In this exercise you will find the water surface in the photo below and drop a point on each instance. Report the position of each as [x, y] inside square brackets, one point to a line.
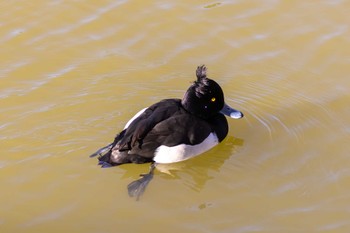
[73, 73]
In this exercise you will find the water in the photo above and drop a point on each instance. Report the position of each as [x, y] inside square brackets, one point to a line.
[73, 73]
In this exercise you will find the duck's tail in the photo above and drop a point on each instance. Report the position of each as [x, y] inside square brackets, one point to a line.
[104, 154]
[103, 151]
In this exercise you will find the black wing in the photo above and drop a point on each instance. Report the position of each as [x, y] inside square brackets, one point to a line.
[142, 125]
[181, 128]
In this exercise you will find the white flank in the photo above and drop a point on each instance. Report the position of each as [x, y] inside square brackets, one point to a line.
[166, 154]
[134, 117]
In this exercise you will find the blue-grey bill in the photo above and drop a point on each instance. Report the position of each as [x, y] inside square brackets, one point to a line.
[231, 112]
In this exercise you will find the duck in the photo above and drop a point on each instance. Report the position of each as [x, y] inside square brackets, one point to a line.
[171, 130]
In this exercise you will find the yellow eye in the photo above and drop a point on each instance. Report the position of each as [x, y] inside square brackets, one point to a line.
[213, 99]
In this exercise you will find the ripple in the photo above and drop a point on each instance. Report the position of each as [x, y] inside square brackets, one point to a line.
[13, 66]
[265, 55]
[263, 121]
[213, 5]
[39, 83]
[333, 226]
[88, 19]
[50, 216]
[249, 13]
[12, 34]
[286, 188]
[3, 126]
[303, 209]
[339, 30]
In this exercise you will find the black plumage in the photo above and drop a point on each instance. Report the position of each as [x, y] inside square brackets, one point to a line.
[171, 122]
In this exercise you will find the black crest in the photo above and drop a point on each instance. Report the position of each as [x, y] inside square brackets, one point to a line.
[201, 72]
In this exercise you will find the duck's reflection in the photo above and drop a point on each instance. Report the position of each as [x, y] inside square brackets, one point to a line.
[198, 171]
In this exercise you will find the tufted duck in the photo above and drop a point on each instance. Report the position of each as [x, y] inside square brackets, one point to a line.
[171, 130]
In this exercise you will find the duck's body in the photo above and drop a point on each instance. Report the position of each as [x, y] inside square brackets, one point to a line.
[173, 130]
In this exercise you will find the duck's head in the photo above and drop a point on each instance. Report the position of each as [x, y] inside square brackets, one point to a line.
[205, 98]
